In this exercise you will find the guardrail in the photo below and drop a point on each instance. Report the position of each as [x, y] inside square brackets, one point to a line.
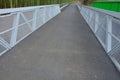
[64, 5]
[18, 23]
[106, 26]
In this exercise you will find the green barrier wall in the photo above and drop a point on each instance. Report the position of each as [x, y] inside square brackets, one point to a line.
[106, 0]
[109, 5]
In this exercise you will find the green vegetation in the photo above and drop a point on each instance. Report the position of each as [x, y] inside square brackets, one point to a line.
[23, 3]
[112, 5]
[107, 0]
[87, 2]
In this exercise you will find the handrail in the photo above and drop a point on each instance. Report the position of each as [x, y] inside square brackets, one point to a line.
[106, 27]
[62, 7]
[17, 23]
[11, 10]
[110, 13]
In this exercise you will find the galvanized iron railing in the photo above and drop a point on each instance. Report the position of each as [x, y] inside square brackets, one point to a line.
[18, 23]
[106, 26]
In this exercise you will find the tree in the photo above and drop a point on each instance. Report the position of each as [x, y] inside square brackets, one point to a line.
[87, 2]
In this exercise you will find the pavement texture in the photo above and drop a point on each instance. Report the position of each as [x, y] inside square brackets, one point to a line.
[63, 49]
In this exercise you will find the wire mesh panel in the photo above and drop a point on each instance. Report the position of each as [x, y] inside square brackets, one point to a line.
[23, 30]
[116, 28]
[6, 22]
[40, 18]
[2, 49]
[28, 14]
[115, 52]
[6, 25]
[107, 29]
[6, 36]
[101, 33]
[18, 23]
[115, 43]
[115, 55]
[52, 11]
[92, 21]
[24, 24]
[23, 18]
[47, 13]
[102, 21]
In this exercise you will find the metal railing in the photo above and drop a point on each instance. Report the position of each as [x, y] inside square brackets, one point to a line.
[106, 26]
[18, 23]
[63, 6]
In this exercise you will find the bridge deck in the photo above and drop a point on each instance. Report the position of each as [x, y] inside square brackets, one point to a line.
[63, 49]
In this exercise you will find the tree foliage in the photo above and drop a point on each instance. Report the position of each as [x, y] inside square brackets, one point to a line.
[87, 2]
[23, 3]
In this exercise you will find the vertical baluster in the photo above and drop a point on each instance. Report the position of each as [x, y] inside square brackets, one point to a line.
[96, 22]
[109, 30]
[34, 20]
[44, 14]
[15, 29]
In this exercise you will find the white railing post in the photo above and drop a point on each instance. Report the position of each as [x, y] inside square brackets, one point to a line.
[96, 22]
[34, 20]
[44, 15]
[50, 12]
[109, 31]
[112, 23]
[15, 29]
[19, 25]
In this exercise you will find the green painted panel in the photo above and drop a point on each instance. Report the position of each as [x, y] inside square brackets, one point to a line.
[107, 0]
[113, 6]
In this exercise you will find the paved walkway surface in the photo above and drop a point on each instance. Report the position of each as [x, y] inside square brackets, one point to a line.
[63, 49]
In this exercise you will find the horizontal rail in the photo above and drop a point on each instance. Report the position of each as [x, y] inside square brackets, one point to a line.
[13, 10]
[62, 7]
[106, 27]
[21, 22]
[107, 12]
